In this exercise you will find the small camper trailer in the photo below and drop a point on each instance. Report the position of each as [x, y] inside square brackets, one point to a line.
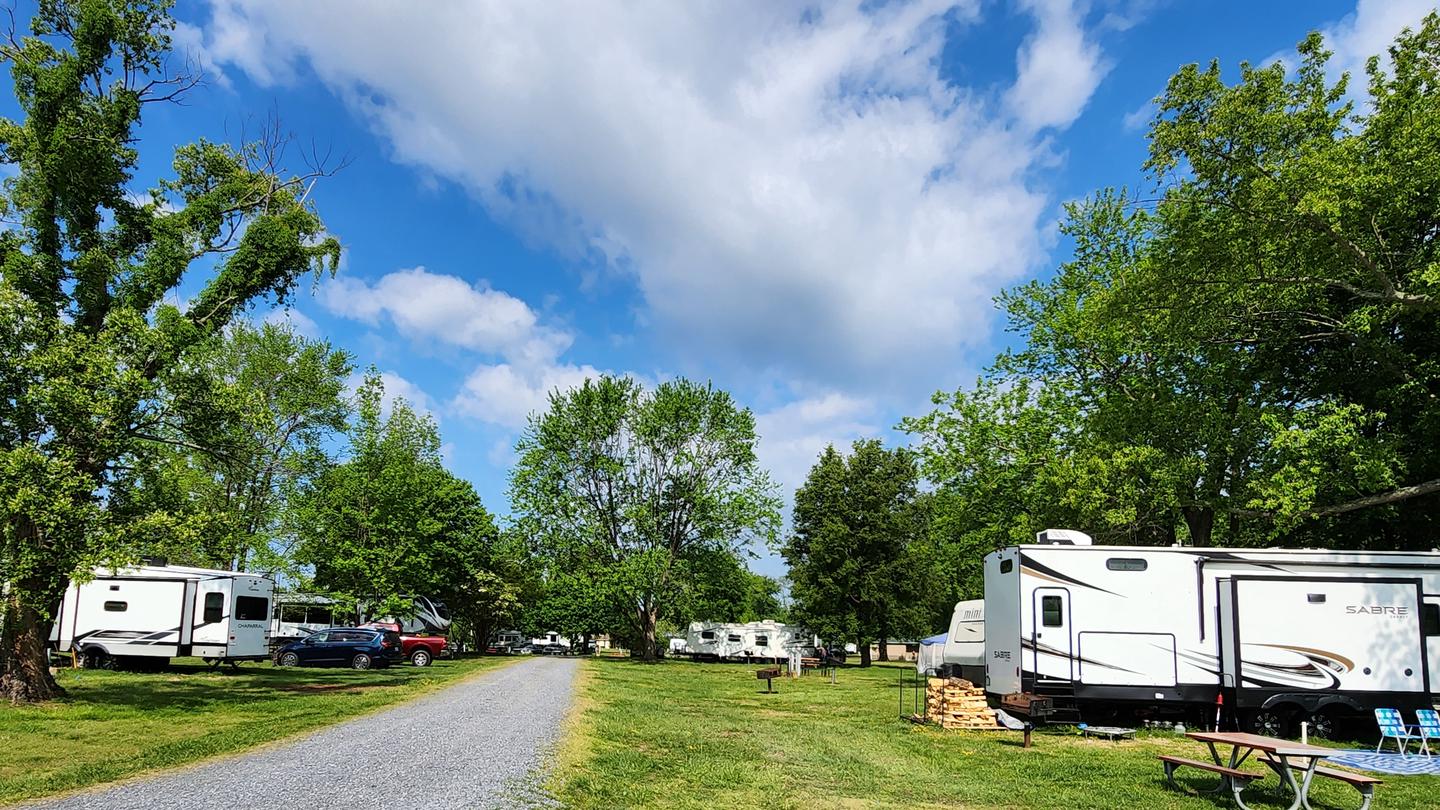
[764, 640]
[150, 613]
[1280, 635]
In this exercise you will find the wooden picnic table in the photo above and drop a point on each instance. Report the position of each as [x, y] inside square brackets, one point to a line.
[1278, 756]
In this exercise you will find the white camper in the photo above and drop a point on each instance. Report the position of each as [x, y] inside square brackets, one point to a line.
[150, 613]
[297, 615]
[1279, 635]
[766, 640]
[965, 641]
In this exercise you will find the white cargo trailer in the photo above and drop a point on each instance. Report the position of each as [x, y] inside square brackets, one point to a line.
[1278, 635]
[147, 614]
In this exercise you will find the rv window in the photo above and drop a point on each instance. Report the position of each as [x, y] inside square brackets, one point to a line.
[1315, 598]
[115, 607]
[1430, 619]
[1051, 612]
[214, 607]
[292, 614]
[1006, 566]
[762, 641]
[707, 635]
[251, 608]
[319, 615]
[1126, 564]
[733, 639]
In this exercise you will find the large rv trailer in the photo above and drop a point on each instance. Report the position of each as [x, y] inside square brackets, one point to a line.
[1278, 634]
[297, 615]
[150, 613]
[768, 640]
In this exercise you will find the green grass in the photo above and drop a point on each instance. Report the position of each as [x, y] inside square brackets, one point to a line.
[706, 736]
[115, 724]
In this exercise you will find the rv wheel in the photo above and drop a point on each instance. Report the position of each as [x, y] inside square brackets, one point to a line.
[1322, 725]
[361, 661]
[421, 658]
[1271, 723]
[97, 659]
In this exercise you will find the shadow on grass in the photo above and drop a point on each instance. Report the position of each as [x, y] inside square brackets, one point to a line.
[196, 688]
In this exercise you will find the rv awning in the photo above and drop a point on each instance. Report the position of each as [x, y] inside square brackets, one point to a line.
[940, 639]
[932, 654]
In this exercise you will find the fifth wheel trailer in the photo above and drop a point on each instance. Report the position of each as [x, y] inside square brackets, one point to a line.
[768, 640]
[150, 613]
[1278, 635]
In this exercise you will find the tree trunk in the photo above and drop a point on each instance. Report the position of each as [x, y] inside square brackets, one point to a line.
[646, 616]
[26, 678]
[481, 637]
[884, 639]
[1201, 520]
[863, 647]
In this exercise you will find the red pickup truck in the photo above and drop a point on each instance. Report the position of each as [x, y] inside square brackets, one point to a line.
[419, 648]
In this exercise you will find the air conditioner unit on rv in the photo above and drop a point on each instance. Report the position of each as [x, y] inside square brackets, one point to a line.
[1062, 537]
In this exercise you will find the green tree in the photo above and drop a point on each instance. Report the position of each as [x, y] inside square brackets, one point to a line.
[85, 273]
[262, 403]
[391, 521]
[633, 483]
[858, 524]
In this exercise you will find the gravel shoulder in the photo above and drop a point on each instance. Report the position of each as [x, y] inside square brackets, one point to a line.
[478, 744]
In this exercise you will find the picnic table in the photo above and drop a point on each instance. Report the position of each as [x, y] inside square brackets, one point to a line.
[1284, 757]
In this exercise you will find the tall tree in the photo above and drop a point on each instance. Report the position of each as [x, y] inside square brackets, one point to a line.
[857, 526]
[633, 483]
[84, 275]
[391, 521]
[263, 402]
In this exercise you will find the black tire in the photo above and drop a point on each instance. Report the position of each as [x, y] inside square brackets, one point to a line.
[287, 659]
[96, 658]
[1273, 722]
[421, 658]
[361, 661]
[1322, 724]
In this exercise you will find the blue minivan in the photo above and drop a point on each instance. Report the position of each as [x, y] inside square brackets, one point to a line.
[354, 647]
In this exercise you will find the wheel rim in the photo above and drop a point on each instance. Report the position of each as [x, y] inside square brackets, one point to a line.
[289, 660]
[1269, 724]
[1322, 726]
[362, 662]
[422, 659]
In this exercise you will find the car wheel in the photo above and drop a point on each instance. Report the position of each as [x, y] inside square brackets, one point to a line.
[360, 661]
[420, 658]
[289, 659]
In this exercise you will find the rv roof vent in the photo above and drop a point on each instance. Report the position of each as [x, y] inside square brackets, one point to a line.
[1062, 537]
[157, 561]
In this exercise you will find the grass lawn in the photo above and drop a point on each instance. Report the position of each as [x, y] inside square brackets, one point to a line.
[705, 735]
[117, 724]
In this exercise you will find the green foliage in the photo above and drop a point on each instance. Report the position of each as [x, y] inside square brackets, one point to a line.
[623, 488]
[1249, 358]
[857, 570]
[391, 520]
[90, 337]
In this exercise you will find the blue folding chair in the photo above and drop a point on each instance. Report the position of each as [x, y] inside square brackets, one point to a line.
[1429, 728]
[1392, 727]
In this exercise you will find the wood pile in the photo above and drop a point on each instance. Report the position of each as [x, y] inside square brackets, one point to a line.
[956, 703]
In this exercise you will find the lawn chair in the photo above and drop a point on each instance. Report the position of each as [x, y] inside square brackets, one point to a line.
[1429, 728]
[1392, 726]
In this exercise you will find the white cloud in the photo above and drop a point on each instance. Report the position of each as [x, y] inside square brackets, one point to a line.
[1059, 67]
[447, 309]
[506, 394]
[793, 435]
[790, 188]
[298, 322]
[1139, 118]
[397, 387]
[1367, 31]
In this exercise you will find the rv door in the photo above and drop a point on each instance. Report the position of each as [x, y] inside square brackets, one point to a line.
[1430, 626]
[1052, 642]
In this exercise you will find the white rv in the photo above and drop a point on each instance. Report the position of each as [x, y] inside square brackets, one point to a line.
[145, 615]
[965, 641]
[297, 615]
[768, 640]
[1279, 635]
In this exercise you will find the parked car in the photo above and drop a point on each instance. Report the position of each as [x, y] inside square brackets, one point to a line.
[355, 647]
[552, 649]
[421, 649]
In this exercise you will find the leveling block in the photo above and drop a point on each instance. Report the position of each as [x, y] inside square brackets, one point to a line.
[956, 703]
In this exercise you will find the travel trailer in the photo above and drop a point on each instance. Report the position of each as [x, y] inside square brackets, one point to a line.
[1277, 635]
[297, 615]
[767, 640]
[965, 641]
[144, 616]
[429, 616]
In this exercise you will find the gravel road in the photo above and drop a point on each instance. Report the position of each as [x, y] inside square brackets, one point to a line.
[476, 744]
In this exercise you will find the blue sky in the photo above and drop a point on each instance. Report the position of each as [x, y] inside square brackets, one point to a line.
[811, 206]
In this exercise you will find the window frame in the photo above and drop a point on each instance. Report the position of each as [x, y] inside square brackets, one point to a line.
[213, 608]
[1046, 601]
[1127, 564]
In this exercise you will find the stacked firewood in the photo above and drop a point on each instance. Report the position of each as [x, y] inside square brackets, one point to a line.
[956, 703]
